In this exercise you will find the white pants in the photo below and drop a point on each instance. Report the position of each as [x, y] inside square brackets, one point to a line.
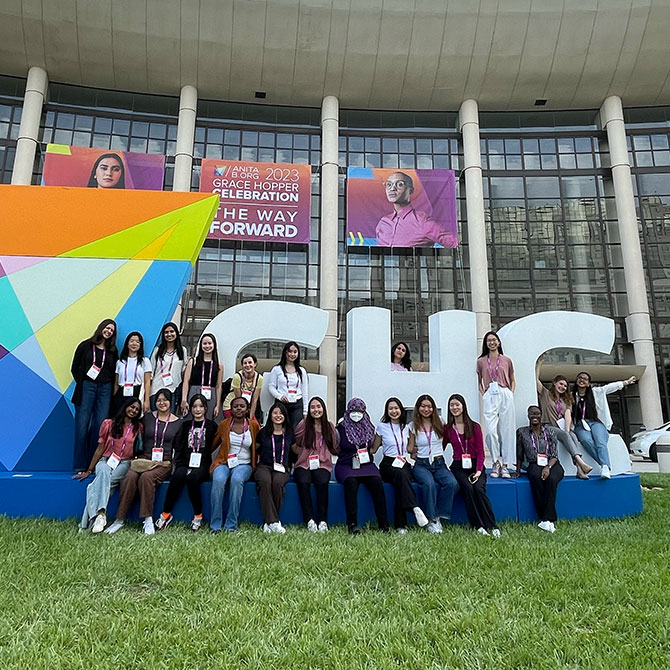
[500, 425]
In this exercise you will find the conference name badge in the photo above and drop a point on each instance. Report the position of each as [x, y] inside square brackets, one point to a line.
[167, 378]
[207, 392]
[279, 467]
[363, 456]
[494, 388]
[157, 454]
[113, 461]
[93, 372]
[233, 461]
[585, 425]
[398, 462]
[542, 460]
[128, 389]
[194, 460]
[314, 462]
[247, 396]
[466, 461]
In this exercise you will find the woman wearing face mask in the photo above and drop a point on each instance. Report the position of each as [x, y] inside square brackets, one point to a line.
[316, 442]
[236, 459]
[191, 459]
[203, 376]
[355, 465]
[392, 435]
[556, 406]
[425, 445]
[110, 462]
[247, 383]
[273, 446]
[592, 418]
[288, 383]
[152, 468]
[467, 441]
[133, 373]
[497, 384]
[93, 372]
[168, 362]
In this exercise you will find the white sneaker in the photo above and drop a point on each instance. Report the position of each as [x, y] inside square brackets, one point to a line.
[401, 531]
[196, 522]
[323, 527]
[421, 518]
[438, 523]
[277, 528]
[266, 528]
[605, 472]
[546, 525]
[148, 526]
[99, 523]
[482, 531]
[496, 533]
[312, 527]
[433, 528]
[116, 525]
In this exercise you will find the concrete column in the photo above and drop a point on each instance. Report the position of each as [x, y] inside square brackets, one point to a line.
[330, 111]
[183, 160]
[36, 90]
[468, 122]
[638, 323]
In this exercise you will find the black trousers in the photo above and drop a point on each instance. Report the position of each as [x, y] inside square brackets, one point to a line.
[376, 488]
[295, 414]
[270, 486]
[544, 492]
[477, 503]
[192, 478]
[304, 478]
[401, 480]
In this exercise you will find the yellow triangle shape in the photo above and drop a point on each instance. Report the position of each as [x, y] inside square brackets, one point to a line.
[60, 336]
[152, 250]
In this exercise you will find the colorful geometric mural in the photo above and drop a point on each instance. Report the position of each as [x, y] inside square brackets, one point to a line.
[70, 257]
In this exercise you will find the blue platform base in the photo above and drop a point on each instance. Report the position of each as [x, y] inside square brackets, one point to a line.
[56, 495]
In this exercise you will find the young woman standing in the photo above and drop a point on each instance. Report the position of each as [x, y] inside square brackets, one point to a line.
[204, 375]
[235, 460]
[288, 383]
[192, 457]
[273, 446]
[110, 462]
[93, 372]
[425, 445]
[392, 435]
[168, 361]
[315, 444]
[133, 373]
[153, 467]
[247, 383]
[467, 441]
[497, 384]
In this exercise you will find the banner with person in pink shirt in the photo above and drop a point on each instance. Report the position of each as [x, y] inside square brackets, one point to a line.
[401, 208]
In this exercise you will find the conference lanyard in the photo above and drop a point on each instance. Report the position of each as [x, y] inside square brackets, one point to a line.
[494, 376]
[196, 445]
[156, 433]
[400, 448]
[104, 354]
[283, 448]
[171, 361]
[429, 437]
[202, 376]
[559, 408]
[536, 445]
[125, 373]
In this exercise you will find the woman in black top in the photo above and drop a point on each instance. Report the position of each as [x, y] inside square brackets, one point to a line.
[93, 372]
[191, 458]
[273, 446]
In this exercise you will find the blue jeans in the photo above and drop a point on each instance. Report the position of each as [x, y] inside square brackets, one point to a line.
[239, 476]
[594, 441]
[88, 415]
[438, 486]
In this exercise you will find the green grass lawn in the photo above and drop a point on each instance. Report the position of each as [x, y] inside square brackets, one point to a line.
[594, 595]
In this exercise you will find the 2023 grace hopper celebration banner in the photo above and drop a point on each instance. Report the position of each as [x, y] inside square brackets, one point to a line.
[102, 168]
[261, 202]
[401, 208]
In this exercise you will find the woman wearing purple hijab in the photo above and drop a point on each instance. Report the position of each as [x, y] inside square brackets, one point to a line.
[355, 465]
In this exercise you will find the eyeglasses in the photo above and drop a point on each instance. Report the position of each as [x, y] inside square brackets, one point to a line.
[395, 184]
[581, 378]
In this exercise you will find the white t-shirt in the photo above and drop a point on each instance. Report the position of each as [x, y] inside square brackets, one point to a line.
[394, 439]
[132, 371]
[242, 449]
[426, 450]
[171, 364]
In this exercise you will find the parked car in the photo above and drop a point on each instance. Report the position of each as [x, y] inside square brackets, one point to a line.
[644, 442]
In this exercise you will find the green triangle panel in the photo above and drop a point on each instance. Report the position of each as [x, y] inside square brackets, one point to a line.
[45, 290]
[14, 326]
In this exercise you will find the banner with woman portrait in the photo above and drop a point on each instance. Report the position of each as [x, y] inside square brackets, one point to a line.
[401, 208]
[102, 168]
[260, 202]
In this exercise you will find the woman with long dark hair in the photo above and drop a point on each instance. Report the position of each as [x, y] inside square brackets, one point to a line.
[315, 444]
[593, 419]
[92, 368]
[133, 373]
[288, 383]
[437, 483]
[274, 443]
[496, 384]
[467, 441]
[355, 465]
[168, 361]
[192, 456]
[108, 172]
[400, 358]
[392, 435]
[204, 375]
[110, 462]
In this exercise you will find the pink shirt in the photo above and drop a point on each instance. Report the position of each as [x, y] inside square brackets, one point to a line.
[474, 446]
[409, 227]
[505, 372]
[122, 446]
[320, 448]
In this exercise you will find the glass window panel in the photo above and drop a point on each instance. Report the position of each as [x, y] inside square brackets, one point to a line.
[103, 125]
[642, 142]
[63, 137]
[138, 144]
[372, 144]
[549, 162]
[644, 158]
[231, 152]
[140, 128]
[566, 145]
[584, 161]
[215, 135]
[514, 162]
[567, 161]
[547, 145]
[531, 146]
[406, 145]
[423, 146]
[265, 155]
[81, 139]
[443, 163]
[232, 136]
[249, 138]
[496, 162]
[662, 157]
[101, 141]
[284, 140]
[512, 146]
[659, 142]
[266, 139]
[407, 161]
[532, 162]
[65, 121]
[356, 144]
[506, 187]
[86, 122]
[302, 158]
[390, 160]
[542, 187]
[424, 162]
[249, 154]
[654, 184]
[578, 187]
[121, 127]
[118, 143]
[440, 146]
